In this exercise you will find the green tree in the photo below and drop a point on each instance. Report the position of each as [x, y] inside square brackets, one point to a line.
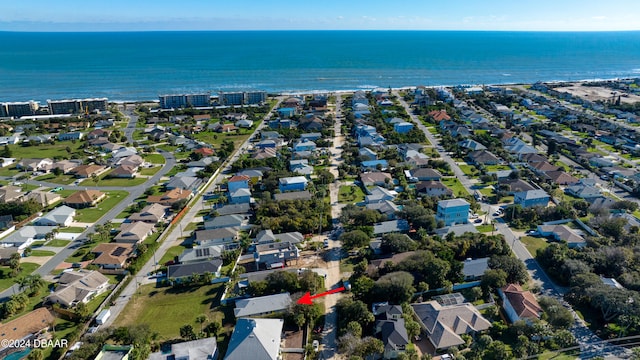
[82, 311]
[396, 287]
[493, 279]
[201, 319]
[186, 332]
[354, 239]
[14, 264]
[354, 328]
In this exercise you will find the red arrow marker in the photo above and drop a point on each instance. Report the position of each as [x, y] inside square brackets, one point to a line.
[306, 298]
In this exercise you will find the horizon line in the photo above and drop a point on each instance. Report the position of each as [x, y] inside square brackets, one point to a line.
[316, 30]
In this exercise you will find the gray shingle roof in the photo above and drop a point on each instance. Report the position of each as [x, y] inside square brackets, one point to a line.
[262, 305]
[255, 339]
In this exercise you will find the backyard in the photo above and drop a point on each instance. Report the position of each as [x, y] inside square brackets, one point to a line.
[456, 186]
[6, 280]
[534, 243]
[350, 194]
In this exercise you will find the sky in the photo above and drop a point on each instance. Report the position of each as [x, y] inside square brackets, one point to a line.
[147, 15]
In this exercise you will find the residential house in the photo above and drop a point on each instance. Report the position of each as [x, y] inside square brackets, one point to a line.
[220, 236]
[134, 160]
[76, 135]
[84, 198]
[456, 230]
[230, 209]
[531, 198]
[24, 237]
[78, 286]
[453, 211]
[112, 256]
[6, 252]
[583, 191]
[183, 182]
[238, 182]
[184, 272]
[443, 324]
[312, 123]
[519, 304]
[269, 305]
[367, 154]
[376, 178]
[379, 194]
[386, 208]
[272, 254]
[205, 349]
[33, 325]
[311, 136]
[226, 221]
[433, 188]
[201, 253]
[286, 112]
[296, 183]
[66, 165]
[562, 233]
[267, 153]
[304, 145]
[41, 165]
[425, 174]
[60, 216]
[124, 171]
[152, 214]
[542, 167]
[374, 165]
[98, 133]
[391, 226]
[483, 157]
[439, 115]
[257, 339]
[390, 327]
[301, 167]
[134, 233]
[473, 269]
[602, 162]
[10, 193]
[267, 236]
[245, 124]
[516, 185]
[561, 177]
[471, 145]
[87, 171]
[170, 197]
[403, 127]
[240, 196]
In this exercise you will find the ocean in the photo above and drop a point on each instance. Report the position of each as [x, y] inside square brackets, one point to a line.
[142, 65]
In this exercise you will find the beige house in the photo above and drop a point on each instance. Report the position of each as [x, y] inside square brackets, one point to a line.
[10, 193]
[78, 286]
[84, 198]
[43, 198]
[134, 232]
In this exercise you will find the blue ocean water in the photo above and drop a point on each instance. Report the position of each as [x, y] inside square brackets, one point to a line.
[141, 65]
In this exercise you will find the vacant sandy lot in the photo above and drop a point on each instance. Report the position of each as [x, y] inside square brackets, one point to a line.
[595, 93]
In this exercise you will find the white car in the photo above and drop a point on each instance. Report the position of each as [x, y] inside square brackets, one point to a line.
[316, 345]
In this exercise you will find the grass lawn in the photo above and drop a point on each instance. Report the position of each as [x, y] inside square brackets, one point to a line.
[6, 280]
[171, 253]
[153, 158]
[534, 243]
[552, 355]
[150, 171]
[484, 228]
[487, 191]
[58, 243]
[123, 182]
[92, 214]
[9, 171]
[165, 310]
[468, 170]
[455, 185]
[492, 168]
[59, 149]
[38, 243]
[190, 227]
[42, 253]
[51, 177]
[350, 194]
[72, 229]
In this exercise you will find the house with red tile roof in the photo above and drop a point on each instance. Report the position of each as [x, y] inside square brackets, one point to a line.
[519, 304]
[439, 115]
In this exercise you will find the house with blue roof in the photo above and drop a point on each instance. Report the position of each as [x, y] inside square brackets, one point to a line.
[531, 198]
[304, 145]
[403, 127]
[286, 112]
[295, 183]
[453, 211]
[311, 136]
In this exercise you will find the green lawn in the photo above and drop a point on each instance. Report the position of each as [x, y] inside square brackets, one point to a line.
[165, 310]
[59, 149]
[492, 168]
[191, 226]
[9, 171]
[150, 171]
[350, 194]
[153, 158]
[72, 229]
[534, 243]
[51, 177]
[485, 228]
[468, 170]
[6, 280]
[92, 214]
[122, 182]
[455, 186]
[42, 253]
[58, 243]
[171, 253]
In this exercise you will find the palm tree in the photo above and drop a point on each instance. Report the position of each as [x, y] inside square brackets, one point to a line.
[36, 283]
[201, 319]
[14, 264]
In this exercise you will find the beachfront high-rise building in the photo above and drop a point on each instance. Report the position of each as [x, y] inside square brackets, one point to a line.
[17, 109]
[77, 106]
[231, 98]
[255, 97]
[175, 101]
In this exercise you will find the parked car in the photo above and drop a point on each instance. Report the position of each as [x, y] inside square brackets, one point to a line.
[477, 221]
[316, 345]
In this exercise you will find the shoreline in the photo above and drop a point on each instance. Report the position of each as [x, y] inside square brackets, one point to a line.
[409, 87]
